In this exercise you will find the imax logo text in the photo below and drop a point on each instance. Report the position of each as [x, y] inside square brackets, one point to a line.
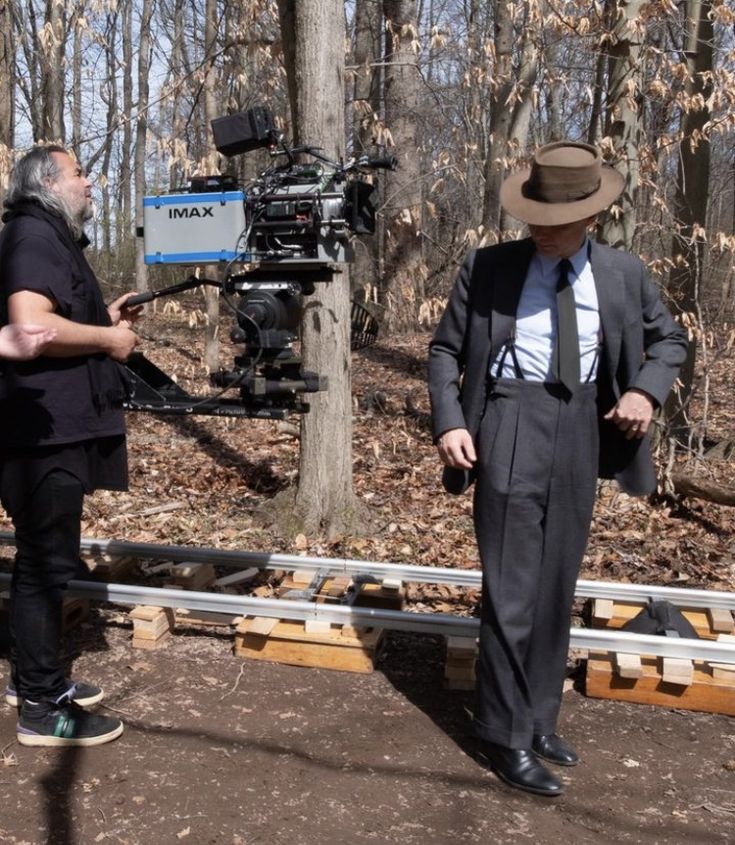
[186, 213]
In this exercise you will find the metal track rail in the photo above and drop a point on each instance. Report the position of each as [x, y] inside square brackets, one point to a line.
[400, 620]
[428, 623]
[405, 572]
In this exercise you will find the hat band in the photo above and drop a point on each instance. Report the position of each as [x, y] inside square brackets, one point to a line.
[534, 189]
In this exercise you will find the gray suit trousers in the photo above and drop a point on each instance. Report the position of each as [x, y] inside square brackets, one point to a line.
[537, 476]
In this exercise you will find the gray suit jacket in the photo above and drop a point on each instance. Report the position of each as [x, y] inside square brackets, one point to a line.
[642, 347]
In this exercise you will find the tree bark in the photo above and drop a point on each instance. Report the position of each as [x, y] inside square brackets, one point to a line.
[7, 92]
[209, 165]
[53, 40]
[125, 215]
[624, 109]
[313, 43]
[76, 75]
[141, 136]
[692, 191]
[402, 285]
[109, 95]
[501, 118]
[365, 111]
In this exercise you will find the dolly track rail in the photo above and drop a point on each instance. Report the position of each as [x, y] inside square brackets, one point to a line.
[428, 623]
[406, 572]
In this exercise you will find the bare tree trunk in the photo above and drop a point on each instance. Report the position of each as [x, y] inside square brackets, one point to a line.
[53, 40]
[7, 92]
[313, 40]
[593, 131]
[178, 133]
[141, 134]
[521, 113]
[125, 206]
[27, 28]
[553, 83]
[210, 166]
[692, 186]
[109, 96]
[476, 111]
[366, 107]
[624, 109]
[404, 273]
[500, 118]
[76, 76]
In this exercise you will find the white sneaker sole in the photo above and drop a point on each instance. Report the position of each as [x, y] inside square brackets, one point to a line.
[67, 742]
[15, 701]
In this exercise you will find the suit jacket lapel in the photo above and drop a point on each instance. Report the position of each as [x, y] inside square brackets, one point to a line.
[506, 292]
[610, 286]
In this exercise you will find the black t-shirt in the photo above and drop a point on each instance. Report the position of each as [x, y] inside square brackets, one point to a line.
[52, 401]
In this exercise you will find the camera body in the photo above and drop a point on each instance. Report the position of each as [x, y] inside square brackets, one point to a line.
[274, 240]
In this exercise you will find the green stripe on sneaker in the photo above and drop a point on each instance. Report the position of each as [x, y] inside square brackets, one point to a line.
[64, 727]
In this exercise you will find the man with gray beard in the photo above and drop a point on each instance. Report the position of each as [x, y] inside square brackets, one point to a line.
[62, 432]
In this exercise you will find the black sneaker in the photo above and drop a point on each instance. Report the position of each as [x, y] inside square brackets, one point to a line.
[85, 695]
[64, 724]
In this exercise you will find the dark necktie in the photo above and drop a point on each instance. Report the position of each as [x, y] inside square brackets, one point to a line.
[567, 340]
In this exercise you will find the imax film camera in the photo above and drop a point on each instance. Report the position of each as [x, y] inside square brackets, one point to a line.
[273, 240]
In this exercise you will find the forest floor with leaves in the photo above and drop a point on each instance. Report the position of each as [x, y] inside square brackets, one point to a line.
[221, 750]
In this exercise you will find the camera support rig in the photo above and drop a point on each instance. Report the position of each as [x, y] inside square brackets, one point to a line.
[288, 231]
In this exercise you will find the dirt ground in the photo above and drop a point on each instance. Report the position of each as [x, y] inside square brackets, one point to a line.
[222, 751]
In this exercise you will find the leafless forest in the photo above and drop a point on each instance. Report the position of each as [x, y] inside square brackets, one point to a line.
[460, 91]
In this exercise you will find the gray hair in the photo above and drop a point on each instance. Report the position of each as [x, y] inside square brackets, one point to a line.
[30, 181]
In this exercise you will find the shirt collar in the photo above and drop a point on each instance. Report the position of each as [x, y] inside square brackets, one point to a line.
[550, 264]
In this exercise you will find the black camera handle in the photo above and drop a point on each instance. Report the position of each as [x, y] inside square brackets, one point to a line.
[188, 284]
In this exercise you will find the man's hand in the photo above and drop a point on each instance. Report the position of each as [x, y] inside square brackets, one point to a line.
[119, 312]
[120, 340]
[25, 341]
[633, 413]
[456, 449]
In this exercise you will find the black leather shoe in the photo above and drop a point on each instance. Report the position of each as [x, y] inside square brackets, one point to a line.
[521, 769]
[553, 748]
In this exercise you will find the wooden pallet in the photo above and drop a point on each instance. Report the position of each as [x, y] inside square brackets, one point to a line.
[318, 643]
[666, 682]
[705, 687]
[341, 647]
[707, 622]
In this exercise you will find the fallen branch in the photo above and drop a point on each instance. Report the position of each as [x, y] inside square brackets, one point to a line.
[700, 488]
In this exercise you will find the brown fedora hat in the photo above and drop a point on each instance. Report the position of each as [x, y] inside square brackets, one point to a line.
[567, 181]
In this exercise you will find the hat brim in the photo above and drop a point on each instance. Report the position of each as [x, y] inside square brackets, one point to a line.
[559, 213]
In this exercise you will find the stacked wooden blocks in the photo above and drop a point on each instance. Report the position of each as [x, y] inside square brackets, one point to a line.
[152, 626]
[460, 666]
[664, 681]
[192, 576]
[108, 568]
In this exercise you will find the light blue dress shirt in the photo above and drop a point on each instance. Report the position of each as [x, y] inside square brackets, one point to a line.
[536, 319]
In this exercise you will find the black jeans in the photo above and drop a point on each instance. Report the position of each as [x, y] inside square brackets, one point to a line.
[47, 534]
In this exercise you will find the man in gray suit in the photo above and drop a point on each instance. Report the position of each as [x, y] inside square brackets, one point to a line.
[544, 373]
